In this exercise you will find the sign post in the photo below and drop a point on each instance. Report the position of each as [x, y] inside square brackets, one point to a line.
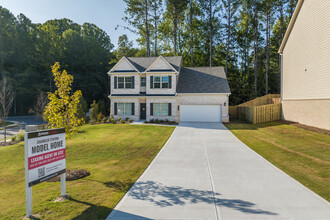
[44, 159]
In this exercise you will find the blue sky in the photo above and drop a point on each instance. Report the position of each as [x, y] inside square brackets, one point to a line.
[106, 14]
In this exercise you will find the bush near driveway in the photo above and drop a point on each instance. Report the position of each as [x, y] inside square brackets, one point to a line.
[115, 156]
[303, 154]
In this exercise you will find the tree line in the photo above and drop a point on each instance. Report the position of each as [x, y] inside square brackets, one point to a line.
[28, 50]
[243, 36]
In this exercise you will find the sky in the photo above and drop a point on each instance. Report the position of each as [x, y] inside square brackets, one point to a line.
[106, 14]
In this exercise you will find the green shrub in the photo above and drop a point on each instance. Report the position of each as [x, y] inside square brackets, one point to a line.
[123, 122]
[19, 136]
[157, 121]
[152, 121]
[146, 122]
[119, 119]
[93, 115]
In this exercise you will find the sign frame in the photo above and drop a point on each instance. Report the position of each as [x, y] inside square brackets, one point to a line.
[28, 183]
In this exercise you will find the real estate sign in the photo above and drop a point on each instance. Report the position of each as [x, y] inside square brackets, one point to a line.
[45, 155]
[44, 159]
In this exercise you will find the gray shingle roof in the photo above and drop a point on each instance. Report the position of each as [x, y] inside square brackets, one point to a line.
[142, 63]
[202, 80]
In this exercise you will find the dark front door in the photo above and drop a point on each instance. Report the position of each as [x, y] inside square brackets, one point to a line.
[143, 111]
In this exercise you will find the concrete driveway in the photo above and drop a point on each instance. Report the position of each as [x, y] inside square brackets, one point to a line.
[205, 172]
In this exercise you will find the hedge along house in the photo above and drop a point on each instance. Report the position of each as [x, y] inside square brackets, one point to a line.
[305, 65]
[146, 88]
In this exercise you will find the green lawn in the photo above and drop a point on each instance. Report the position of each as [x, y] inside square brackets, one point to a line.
[115, 155]
[303, 154]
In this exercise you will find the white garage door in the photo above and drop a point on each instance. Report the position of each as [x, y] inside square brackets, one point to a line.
[200, 113]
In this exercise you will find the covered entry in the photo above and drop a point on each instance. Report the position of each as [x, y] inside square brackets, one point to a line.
[200, 113]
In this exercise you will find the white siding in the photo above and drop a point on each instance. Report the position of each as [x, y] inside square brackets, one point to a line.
[306, 56]
[124, 65]
[160, 64]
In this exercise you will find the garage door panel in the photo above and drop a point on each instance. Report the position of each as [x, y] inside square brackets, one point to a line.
[200, 113]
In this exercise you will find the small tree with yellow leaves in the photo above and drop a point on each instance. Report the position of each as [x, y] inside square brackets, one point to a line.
[62, 109]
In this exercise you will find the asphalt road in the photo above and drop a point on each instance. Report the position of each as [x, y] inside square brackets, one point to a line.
[26, 120]
[205, 172]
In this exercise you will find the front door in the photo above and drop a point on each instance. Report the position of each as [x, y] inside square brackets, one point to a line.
[143, 111]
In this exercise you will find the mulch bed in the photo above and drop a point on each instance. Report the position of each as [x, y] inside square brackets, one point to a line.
[71, 175]
[3, 144]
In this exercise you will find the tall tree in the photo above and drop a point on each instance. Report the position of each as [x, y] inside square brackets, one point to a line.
[230, 7]
[125, 48]
[268, 6]
[174, 11]
[156, 11]
[139, 17]
[256, 8]
[210, 9]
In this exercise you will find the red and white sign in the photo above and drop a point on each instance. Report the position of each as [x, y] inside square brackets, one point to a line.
[45, 155]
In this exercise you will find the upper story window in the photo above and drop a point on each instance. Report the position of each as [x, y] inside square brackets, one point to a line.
[143, 81]
[160, 82]
[125, 82]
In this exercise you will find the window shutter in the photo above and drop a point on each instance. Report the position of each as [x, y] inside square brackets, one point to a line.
[151, 108]
[151, 82]
[115, 112]
[170, 82]
[169, 109]
[133, 84]
[115, 82]
[133, 109]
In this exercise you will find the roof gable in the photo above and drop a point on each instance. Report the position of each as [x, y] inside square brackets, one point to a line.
[160, 64]
[123, 65]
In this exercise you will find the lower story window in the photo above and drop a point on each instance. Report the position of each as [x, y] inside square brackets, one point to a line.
[124, 108]
[160, 109]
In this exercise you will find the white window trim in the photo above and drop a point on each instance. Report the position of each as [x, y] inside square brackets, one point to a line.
[124, 108]
[160, 108]
[124, 82]
[161, 82]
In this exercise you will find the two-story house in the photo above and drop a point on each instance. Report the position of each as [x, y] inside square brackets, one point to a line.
[145, 88]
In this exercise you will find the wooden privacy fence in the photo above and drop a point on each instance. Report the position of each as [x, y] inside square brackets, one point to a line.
[258, 110]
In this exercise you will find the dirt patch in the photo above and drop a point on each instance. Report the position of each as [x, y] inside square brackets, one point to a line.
[3, 144]
[71, 175]
[306, 127]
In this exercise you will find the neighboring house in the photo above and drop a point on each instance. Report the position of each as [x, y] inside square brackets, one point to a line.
[145, 88]
[305, 59]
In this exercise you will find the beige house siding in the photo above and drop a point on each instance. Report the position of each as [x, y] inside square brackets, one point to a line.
[206, 99]
[309, 112]
[306, 66]
[306, 55]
